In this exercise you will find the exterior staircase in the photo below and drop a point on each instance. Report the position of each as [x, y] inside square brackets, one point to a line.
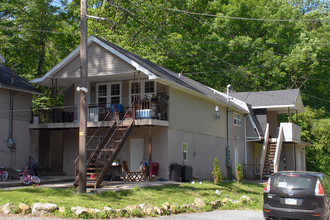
[103, 156]
[268, 169]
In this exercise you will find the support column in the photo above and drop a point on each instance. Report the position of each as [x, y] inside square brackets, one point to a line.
[150, 154]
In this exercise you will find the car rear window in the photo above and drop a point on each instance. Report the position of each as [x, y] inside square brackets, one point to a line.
[293, 182]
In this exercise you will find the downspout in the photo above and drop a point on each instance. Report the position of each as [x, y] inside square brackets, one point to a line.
[228, 101]
[245, 145]
[10, 140]
[228, 157]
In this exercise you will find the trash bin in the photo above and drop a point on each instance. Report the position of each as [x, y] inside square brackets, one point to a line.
[186, 173]
[175, 172]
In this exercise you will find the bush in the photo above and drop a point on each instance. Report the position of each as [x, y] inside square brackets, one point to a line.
[239, 173]
[216, 173]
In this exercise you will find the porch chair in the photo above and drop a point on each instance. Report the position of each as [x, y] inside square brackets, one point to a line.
[133, 176]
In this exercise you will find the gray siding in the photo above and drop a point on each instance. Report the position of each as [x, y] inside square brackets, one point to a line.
[193, 114]
[100, 62]
[22, 105]
[202, 150]
[272, 120]
[69, 96]
[125, 93]
[4, 103]
[236, 132]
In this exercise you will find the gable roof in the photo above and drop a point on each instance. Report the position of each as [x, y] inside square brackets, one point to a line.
[19, 84]
[278, 100]
[152, 70]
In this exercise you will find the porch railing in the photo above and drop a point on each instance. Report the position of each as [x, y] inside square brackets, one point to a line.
[71, 113]
[251, 171]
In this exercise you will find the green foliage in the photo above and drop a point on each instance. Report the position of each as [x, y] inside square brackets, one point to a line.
[239, 173]
[137, 213]
[216, 172]
[315, 130]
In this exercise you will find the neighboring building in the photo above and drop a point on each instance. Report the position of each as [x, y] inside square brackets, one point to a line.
[284, 149]
[15, 118]
[150, 112]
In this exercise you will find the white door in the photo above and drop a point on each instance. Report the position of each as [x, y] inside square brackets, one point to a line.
[136, 153]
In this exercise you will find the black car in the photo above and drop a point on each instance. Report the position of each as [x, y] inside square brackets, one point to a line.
[297, 195]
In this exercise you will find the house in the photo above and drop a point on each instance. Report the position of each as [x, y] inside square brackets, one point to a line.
[15, 117]
[272, 146]
[137, 111]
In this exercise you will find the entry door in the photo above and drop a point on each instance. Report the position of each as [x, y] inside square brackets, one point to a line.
[136, 153]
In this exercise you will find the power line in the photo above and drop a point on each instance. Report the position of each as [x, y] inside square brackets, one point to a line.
[236, 18]
[36, 30]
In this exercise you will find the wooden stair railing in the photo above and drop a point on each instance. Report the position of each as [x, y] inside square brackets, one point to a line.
[76, 162]
[101, 159]
[268, 168]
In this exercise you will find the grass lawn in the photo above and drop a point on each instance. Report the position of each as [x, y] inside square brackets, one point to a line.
[156, 196]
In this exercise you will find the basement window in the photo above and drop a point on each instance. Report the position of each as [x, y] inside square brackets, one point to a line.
[185, 151]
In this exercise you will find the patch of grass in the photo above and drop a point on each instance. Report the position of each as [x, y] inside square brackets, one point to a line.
[156, 196]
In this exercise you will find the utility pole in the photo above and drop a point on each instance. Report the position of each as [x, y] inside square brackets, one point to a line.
[83, 91]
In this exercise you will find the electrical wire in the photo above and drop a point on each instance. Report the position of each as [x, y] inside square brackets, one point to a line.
[235, 18]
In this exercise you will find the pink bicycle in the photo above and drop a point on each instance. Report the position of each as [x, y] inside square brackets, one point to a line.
[3, 174]
[27, 178]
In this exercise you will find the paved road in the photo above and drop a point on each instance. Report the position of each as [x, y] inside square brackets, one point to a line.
[214, 215]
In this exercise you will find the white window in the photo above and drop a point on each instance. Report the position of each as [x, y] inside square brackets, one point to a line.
[134, 91]
[185, 151]
[236, 119]
[102, 94]
[142, 90]
[108, 93]
[149, 88]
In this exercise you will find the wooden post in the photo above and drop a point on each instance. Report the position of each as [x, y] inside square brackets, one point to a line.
[83, 106]
[150, 154]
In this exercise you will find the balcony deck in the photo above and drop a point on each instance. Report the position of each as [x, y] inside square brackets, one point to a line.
[93, 124]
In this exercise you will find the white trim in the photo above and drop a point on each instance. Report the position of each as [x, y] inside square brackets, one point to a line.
[107, 47]
[123, 57]
[232, 99]
[238, 119]
[274, 106]
[198, 94]
[108, 96]
[186, 152]
[142, 89]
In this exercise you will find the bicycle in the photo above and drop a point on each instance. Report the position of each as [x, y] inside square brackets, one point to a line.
[27, 178]
[3, 174]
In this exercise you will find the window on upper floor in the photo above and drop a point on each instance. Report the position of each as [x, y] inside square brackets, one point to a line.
[108, 93]
[142, 90]
[236, 119]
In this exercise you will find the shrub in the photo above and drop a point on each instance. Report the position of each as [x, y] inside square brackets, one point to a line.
[216, 173]
[239, 173]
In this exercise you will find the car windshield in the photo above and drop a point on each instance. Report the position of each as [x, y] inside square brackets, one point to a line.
[294, 182]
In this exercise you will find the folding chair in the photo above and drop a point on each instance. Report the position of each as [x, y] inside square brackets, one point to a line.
[133, 176]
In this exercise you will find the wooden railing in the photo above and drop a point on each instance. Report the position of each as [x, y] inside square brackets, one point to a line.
[278, 150]
[264, 149]
[76, 162]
